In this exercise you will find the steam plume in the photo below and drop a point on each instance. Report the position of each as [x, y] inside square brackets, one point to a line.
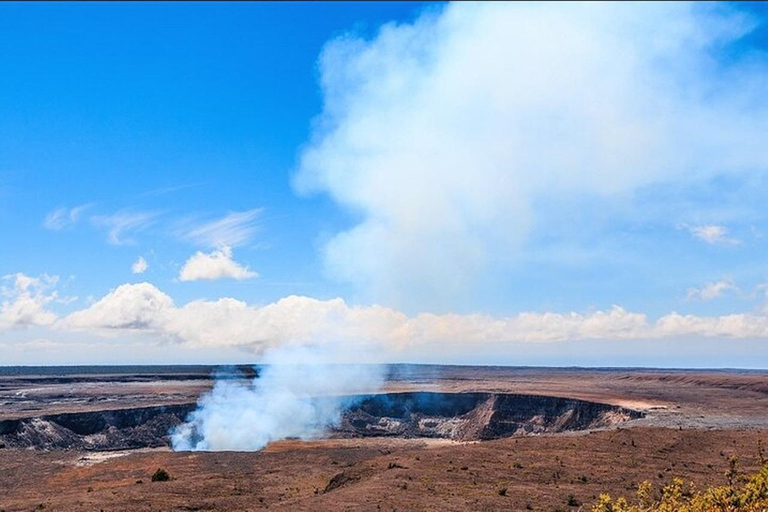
[298, 394]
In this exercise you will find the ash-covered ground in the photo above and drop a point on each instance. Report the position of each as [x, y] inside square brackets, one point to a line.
[435, 438]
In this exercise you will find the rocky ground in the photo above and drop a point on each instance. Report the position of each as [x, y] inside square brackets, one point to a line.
[693, 421]
[534, 473]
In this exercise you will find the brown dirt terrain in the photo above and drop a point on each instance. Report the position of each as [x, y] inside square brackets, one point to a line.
[694, 421]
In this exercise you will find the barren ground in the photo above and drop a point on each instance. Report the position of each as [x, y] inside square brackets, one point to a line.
[694, 421]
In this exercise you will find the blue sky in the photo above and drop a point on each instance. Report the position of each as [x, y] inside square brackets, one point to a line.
[113, 104]
[520, 184]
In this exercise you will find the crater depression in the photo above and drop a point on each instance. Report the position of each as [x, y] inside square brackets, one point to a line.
[457, 416]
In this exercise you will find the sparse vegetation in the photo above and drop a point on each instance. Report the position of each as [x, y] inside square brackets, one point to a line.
[571, 501]
[503, 491]
[161, 475]
[740, 494]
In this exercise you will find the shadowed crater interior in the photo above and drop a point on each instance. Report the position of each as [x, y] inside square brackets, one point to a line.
[473, 416]
[458, 416]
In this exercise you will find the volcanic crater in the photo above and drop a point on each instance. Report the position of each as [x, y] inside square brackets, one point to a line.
[457, 416]
[474, 416]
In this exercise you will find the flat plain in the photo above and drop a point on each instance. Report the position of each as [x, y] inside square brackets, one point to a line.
[688, 424]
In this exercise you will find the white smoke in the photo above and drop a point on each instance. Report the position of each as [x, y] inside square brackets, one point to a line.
[458, 139]
[299, 393]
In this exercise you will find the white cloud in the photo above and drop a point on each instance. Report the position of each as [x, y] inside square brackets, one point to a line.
[142, 308]
[449, 136]
[139, 266]
[712, 290]
[215, 265]
[120, 224]
[25, 300]
[734, 326]
[231, 230]
[128, 307]
[64, 217]
[712, 234]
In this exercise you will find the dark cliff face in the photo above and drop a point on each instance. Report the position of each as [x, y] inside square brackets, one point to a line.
[459, 416]
[119, 429]
[474, 416]
[516, 414]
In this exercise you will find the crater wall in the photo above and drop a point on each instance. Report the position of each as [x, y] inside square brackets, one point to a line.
[458, 416]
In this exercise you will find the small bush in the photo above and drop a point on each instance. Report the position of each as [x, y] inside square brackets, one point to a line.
[503, 491]
[161, 475]
[742, 493]
[571, 501]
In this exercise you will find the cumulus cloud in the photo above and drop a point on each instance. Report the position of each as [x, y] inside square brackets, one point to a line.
[64, 217]
[712, 234]
[295, 320]
[712, 290]
[231, 230]
[136, 307]
[449, 136]
[139, 266]
[120, 224]
[215, 265]
[25, 300]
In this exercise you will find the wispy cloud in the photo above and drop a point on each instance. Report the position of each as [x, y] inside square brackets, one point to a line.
[712, 290]
[712, 234]
[64, 217]
[232, 230]
[170, 189]
[119, 225]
